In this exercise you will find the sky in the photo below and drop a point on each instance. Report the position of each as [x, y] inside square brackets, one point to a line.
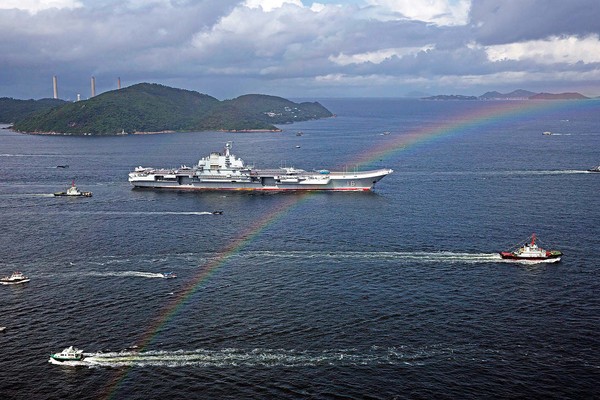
[300, 48]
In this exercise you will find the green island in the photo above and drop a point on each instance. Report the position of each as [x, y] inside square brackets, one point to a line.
[154, 108]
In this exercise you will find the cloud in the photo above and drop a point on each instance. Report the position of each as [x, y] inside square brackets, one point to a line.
[33, 6]
[270, 5]
[438, 12]
[552, 50]
[377, 57]
[498, 22]
[295, 48]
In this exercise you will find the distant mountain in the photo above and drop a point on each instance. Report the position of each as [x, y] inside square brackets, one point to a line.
[147, 107]
[519, 94]
[558, 96]
[12, 110]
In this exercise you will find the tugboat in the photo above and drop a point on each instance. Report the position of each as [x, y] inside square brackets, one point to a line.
[73, 191]
[595, 169]
[530, 251]
[69, 354]
[15, 278]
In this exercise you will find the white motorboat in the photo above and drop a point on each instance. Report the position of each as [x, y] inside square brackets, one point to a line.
[69, 354]
[14, 279]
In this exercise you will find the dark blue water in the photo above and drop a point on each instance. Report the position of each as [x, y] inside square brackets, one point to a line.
[387, 295]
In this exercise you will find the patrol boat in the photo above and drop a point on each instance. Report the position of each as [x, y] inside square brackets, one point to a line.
[69, 354]
[14, 279]
[227, 172]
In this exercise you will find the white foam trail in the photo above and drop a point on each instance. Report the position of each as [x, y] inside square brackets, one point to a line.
[21, 195]
[417, 256]
[136, 212]
[560, 172]
[511, 173]
[122, 274]
[259, 357]
[30, 155]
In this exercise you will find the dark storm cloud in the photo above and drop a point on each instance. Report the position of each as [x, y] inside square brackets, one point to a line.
[496, 22]
[229, 47]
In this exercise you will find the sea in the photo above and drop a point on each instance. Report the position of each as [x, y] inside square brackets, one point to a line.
[398, 293]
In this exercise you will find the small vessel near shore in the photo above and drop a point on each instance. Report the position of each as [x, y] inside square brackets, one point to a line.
[594, 169]
[74, 191]
[530, 251]
[14, 279]
[69, 354]
[227, 172]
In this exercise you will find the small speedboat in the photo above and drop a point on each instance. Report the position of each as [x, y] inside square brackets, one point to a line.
[169, 275]
[15, 278]
[530, 251]
[74, 191]
[218, 212]
[2, 328]
[595, 169]
[69, 354]
[547, 133]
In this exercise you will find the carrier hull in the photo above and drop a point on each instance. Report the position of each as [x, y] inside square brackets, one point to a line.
[227, 173]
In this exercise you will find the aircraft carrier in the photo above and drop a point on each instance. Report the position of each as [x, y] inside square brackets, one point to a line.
[227, 172]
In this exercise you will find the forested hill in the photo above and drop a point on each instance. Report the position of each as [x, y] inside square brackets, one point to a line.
[149, 107]
[12, 110]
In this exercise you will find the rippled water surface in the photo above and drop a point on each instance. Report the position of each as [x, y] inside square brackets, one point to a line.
[394, 294]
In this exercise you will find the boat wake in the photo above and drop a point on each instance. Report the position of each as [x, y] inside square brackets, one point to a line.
[261, 357]
[413, 256]
[556, 172]
[136, 213]
[504, 173]
[122, 274]
[22, 195]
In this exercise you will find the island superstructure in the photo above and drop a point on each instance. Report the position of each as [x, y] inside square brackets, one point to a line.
[227, 172]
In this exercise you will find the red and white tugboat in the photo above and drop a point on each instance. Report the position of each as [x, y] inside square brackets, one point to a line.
[530, 251]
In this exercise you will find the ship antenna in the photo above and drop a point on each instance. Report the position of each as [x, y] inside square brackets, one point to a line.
[227, 160]
[533, 239]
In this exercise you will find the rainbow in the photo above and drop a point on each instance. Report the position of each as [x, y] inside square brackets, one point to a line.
[493, 112]
[177, 303]
[497, 111]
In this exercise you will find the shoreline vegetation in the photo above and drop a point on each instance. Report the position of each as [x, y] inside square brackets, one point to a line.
[137, 133]
[147, 108]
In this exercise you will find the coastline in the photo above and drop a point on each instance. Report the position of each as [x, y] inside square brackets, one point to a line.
[9, 127]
